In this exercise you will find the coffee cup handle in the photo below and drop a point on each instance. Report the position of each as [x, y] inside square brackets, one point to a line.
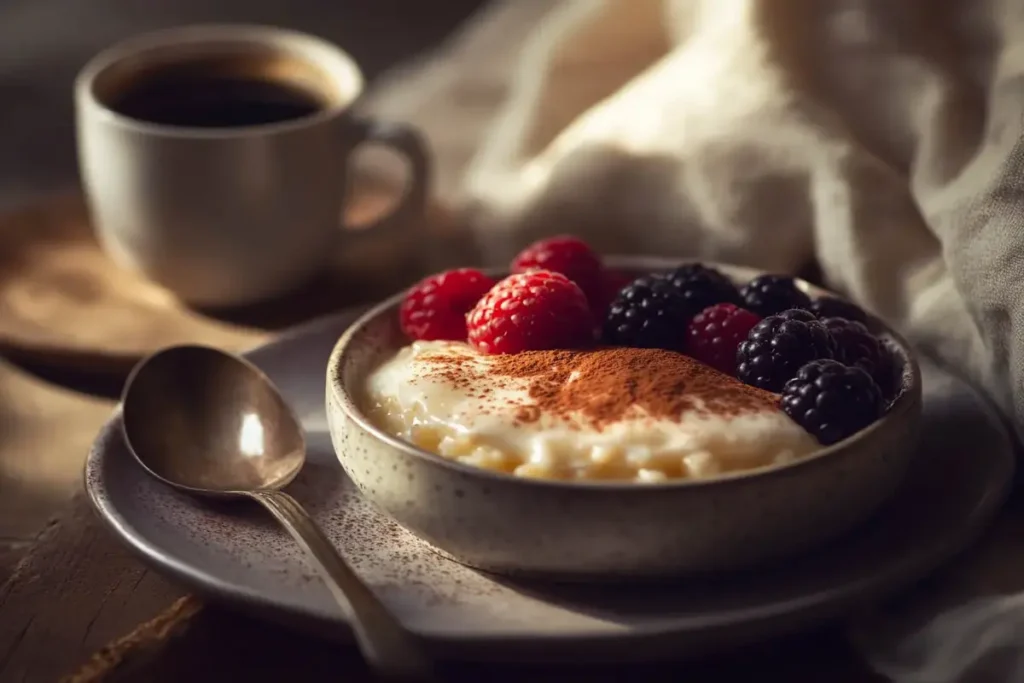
[412, 203]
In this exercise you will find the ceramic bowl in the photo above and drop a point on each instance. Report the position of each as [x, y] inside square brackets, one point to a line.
[612, 530]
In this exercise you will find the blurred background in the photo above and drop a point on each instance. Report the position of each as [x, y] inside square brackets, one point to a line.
[43, 43]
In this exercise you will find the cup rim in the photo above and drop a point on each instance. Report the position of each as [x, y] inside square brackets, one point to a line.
[902, 408]
[339, 66]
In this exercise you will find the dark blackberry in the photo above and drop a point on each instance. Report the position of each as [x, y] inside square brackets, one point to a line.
[702, 286]
[648, 313]
[832, 401]
[834, 307]
[779, 346]
[799, 315]
[857, 347]
[770, 294]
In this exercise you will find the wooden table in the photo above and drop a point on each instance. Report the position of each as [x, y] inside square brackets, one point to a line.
[79, 590]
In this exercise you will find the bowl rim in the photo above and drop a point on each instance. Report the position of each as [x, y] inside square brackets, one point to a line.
[902, 407]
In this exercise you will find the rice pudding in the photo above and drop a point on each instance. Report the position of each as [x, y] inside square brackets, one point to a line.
[626, 414]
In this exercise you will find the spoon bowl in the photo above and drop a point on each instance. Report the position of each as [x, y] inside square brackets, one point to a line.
[212, 424]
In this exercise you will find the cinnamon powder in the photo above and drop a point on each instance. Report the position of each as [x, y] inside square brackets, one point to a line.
[604, 385]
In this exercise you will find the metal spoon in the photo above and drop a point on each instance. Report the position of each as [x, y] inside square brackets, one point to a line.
[210, 423]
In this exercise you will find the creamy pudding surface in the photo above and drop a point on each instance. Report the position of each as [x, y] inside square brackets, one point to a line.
[627, 414]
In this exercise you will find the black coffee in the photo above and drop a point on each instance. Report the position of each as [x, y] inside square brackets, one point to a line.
[195, 100]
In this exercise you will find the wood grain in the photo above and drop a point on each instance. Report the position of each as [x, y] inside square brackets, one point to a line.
[45, 433]
[62, 300]
[78, 590]
[11, 551]
[65, 304]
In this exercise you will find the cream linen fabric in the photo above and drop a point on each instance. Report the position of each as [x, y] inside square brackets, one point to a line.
[880, 137]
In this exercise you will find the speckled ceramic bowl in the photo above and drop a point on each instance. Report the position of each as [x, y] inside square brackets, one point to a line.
[601, 530]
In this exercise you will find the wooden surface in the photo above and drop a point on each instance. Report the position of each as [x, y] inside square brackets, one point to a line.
[64, 303]
[45, 433]
[78, 590]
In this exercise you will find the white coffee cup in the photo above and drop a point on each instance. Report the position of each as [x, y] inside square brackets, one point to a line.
[229, 188]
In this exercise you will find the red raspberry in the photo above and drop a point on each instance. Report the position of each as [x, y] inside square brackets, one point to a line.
[715, 333]
[531, 311]
[570, 256]
[436, 307]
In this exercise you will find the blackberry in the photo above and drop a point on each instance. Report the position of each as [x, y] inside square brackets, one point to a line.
[857, 347]
[779, 346]
[799, 315]
[702, 286]
[771, 294]
[834, 307]
[832, 401]
[648, 313]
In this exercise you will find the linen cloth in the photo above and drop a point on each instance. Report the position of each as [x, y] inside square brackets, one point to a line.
[881, 139]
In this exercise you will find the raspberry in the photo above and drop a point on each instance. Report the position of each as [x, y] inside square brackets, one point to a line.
[531, 311]
[702, 286]
[436, 307]
[716, 333]
[779, 346]
[857, 347]
[771, 294]
[648, 313]
[832, 401]
[834, 307]
[570, 256]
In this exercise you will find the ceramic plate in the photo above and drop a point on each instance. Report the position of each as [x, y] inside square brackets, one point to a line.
[234, 553]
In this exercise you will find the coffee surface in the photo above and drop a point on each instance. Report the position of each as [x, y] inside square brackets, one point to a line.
[214, 100]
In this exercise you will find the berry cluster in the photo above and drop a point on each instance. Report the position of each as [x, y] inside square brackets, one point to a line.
[558, 291]
[833, 375]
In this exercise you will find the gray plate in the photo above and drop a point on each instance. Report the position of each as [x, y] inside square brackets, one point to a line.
[234, 553]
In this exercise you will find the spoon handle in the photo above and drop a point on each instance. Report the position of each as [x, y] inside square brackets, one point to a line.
[387, 646]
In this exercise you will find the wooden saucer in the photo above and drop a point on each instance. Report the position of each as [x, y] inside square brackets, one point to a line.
[63, 303]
